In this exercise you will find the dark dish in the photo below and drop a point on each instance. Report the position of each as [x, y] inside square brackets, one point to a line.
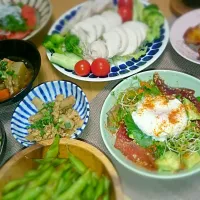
[23, 52]
[3, 141]
[192, 3]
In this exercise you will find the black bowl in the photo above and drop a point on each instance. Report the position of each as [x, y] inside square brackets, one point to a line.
[23, 50]
[3, 141]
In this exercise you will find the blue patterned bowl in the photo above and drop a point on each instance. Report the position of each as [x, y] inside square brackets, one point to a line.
[43, 9]
[121, 69]
[47, 92]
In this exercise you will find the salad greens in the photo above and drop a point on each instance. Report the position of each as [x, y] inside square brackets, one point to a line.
[135, 133]
[10, 23]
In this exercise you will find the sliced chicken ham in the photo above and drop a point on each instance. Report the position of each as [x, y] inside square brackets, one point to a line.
[112, 40]
[98, 49]
[132, 42]
[123, 39]
[112, 18]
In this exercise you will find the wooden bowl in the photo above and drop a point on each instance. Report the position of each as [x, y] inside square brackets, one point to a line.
[22, 162]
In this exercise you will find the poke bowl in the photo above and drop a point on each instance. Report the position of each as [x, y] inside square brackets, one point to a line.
[56, 107]
[150, 123]
[23, 19]
[24, 162]
[19, 66]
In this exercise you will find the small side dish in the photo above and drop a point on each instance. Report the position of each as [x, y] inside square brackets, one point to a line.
[59, 179]
[56, 117]
[157, 126]
[14, 76]
[17, 20]
[91, 43]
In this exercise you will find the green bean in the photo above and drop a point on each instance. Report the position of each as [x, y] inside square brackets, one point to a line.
[94, 180]
[100, 188]
[53, 181]
[77, 163]
[14, 194]
[78, 198]
[42, 179]
[56, 161]
[14, 184]
[64, 183]
[106, 184]
[31, 193]
[106, 197]
[53, 149]
[88, 192]
[77, 187]
[43, 196]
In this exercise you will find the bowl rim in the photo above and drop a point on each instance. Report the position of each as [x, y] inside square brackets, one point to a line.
[132, 167]
[4, 140]
[112, 171]
[36, 31]
[35, 74]
[86, 99]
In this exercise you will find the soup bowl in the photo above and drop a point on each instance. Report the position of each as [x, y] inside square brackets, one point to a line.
[172, 79]
[19, 50]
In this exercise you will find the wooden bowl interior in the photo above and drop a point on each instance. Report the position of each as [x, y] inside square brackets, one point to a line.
[93, 158]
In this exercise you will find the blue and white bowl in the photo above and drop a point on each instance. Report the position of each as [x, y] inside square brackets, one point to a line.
[47, 92]
[121, 69]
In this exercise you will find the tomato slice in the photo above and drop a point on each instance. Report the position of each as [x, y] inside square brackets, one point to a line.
[17, 35]
[29, 14]
[132, 151]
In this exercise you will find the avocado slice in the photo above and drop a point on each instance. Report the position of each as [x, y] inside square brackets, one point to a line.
[170, 161]
[192, 112]
[190, 160]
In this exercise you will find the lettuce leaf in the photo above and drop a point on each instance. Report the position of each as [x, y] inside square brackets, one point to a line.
[135, 133]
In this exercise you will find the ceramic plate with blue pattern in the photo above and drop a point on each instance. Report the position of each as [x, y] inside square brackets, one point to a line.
[47, 92]
[121, 69]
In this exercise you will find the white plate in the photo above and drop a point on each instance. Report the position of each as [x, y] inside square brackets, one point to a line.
[123, 69]
[178, 29]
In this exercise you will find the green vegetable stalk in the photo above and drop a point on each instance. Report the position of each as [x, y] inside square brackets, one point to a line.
[77, 187]
[53, 149]
[78, 164]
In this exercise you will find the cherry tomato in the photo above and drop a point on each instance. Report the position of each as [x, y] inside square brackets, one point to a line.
[82, 68]
[125, 13]
[126, 3]
[100, 67]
